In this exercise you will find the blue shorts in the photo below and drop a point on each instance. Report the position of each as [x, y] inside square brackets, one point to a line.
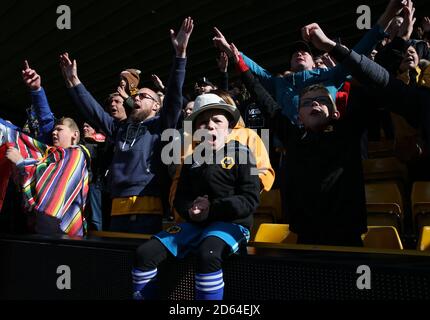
[184, 237]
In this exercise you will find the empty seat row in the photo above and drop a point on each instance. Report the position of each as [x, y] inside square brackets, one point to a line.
[378, 237]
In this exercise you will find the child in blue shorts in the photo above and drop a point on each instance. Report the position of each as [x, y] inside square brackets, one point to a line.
[217, 194]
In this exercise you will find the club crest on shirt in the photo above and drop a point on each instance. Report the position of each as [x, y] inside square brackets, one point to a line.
[174, 229]
[227, 163]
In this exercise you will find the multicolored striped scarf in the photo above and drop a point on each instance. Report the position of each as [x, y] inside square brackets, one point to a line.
[6, 170]
[54, 180]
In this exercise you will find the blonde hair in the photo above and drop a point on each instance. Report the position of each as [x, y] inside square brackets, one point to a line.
[225, 96]
[69, 122]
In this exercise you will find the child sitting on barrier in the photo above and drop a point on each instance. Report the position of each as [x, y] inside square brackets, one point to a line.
[217, 194]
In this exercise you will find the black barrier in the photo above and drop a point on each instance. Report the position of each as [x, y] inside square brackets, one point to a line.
[31, 268]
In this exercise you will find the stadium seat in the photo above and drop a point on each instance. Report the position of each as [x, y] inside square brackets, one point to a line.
[384, 204]
[384, 169]
[420, 200]
[269, 210]
[275, 233]
[406, 146]
[270, 204]
[424, 241]
[380, 149]
[382, 237]
[108, 234]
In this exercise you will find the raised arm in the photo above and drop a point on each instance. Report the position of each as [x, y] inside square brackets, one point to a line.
[222, 62]
[372, 37]
[403, 99]
[391, 56]
[393, 9]
[158, 83]
[359, 65]
[87, 105]
[367, 43]
[269, 105]
[40, 103]
[172, 107]
[263, 75]
[280, 124]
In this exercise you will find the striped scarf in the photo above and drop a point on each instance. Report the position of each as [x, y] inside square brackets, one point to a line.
[54, 180]
[6, 170]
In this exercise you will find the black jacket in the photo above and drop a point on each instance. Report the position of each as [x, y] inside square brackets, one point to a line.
[325, 185]
[232, 186]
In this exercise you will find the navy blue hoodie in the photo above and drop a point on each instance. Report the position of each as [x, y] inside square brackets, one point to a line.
[136, 160]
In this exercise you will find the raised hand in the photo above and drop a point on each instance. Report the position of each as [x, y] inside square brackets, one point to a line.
[393, 9]
[426, 24]
[157, 82]
[222, 62]
[314, 34]
[180, 40]
[69, 70]
[407, 27]
[122, 92]
[30, 77]
[235, 53]
[221, 42]
[328, 61]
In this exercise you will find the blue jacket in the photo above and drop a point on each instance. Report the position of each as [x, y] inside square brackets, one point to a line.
[286, 90]
[136, 161]
[44, 116]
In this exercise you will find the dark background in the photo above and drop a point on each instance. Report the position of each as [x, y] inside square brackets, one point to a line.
[107, 38]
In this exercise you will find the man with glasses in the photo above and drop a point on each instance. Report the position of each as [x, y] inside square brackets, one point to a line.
[135, 169]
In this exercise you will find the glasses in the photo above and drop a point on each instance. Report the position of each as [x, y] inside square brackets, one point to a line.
[143, 95]
[322, 100]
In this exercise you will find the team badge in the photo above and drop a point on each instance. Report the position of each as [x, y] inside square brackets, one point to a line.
[174, 229]
[227, 163]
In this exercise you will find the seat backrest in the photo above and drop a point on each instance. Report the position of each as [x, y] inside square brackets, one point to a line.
[270, 203]
[420, 195]
[384, 169]
[384, 197]
[382, 237]
[424, 241]
[275, 233]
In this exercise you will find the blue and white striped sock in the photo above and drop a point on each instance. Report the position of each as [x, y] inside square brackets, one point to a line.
[143, 284]
[209, 286]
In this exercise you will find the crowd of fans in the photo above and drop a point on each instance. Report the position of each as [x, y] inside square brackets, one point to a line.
[320, 114]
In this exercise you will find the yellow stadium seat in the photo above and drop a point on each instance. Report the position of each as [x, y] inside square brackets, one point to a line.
[378, 237]
[420, 200]
[384, 204]
[275, 233]
[424, 241]
[260, 219]
[270, 204]
[382, 237]
[108, 234]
